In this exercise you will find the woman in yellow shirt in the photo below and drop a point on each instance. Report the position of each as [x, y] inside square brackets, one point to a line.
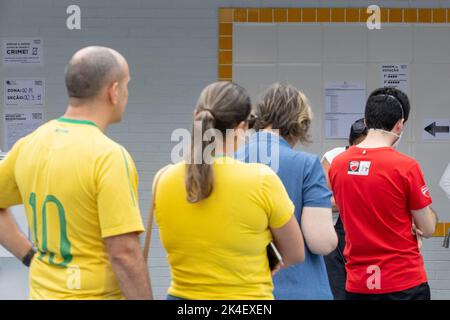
[217, 215]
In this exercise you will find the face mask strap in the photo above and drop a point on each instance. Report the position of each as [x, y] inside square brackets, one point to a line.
[397, 102]
[388, 132]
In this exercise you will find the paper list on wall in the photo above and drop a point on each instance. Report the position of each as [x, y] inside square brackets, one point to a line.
[19, 124]
[344, 104]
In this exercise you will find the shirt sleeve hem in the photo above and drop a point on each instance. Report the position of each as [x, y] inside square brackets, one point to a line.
[282, 221]
[325, 204]
[423, 206]
[121, 230]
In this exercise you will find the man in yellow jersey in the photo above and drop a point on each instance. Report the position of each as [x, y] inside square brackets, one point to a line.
[79, 189]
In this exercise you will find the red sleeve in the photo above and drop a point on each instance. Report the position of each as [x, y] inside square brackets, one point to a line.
[419, 195]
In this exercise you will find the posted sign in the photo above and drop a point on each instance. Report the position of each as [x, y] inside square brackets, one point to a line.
[22, 51]
[24, 92]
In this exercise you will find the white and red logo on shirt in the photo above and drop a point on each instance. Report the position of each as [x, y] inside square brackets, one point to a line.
[354, 166]
[359, 168]
[425, 191]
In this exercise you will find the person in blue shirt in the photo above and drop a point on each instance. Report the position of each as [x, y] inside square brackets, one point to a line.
[283, 118]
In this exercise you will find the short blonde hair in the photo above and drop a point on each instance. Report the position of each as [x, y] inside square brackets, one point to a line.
[287, 109]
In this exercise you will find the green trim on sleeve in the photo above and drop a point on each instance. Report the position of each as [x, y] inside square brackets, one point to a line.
[129, 178]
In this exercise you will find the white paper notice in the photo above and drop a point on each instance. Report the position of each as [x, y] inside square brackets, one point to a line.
[344, 104]
[338, 126]
[395, 76]
[21, 219]
[22, 51]
[24, 92]
[19, 124]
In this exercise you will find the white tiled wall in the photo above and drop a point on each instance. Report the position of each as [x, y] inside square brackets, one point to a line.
[172, 49]
[308, 56]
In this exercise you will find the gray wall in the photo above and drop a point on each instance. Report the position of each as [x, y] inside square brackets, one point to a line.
[172, 49]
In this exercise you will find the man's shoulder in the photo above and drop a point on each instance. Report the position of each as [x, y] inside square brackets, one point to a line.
[302, 158]
[404, 158]
[102, 144]
[36, 134]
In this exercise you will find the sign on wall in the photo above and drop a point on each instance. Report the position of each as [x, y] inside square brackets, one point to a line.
[26, 51]
[24, 92]
[18, 124]
[395, 76]
[436, 129]
[344, 104]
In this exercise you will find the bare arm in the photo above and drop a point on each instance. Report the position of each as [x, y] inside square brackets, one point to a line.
[425, 220]
[445, 181]
[289, 241]
[11, 237]
[129, 266]
[326, 169]
[318, 230]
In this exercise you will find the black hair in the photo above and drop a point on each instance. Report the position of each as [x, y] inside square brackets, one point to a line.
[357, 131]
[385, 107]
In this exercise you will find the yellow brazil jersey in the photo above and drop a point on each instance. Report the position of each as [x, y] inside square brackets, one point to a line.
[78, 187]
[217, 247]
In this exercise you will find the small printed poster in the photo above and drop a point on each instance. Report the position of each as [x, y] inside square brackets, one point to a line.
[22, 51]
[395, 76]
[18, 124]
[24, 92]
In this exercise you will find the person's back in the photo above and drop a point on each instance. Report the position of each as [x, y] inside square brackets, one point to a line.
[303, 178]
[80, 190]
[217, 248]
[298, 171]
[217, 215]
[61, 172]
[376, 209]
[385, 206]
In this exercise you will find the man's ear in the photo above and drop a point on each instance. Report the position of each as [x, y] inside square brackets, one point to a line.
[113, 93]
[399, 126]
[243, 125]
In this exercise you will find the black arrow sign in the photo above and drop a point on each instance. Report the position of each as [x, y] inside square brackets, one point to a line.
[433, 129]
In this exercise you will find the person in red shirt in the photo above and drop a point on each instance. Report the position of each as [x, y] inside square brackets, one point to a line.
[384, 204]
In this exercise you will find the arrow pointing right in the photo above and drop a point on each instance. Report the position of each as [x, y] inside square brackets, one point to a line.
[433, 129]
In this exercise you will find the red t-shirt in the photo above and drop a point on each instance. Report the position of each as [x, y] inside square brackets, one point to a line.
[375, 190]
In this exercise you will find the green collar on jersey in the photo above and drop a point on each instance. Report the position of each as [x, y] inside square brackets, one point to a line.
[75, 121]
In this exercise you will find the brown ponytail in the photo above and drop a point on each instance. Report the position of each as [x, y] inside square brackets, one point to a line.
[221, 106]
[199, 176]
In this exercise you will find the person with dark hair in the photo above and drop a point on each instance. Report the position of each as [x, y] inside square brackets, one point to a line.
[335, 261]
[283, 120]
[217, 215]
[80, 190]
[384, 204]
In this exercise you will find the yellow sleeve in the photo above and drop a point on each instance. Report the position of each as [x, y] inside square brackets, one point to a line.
[9, 194]
[279, 206]
[117, 200]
